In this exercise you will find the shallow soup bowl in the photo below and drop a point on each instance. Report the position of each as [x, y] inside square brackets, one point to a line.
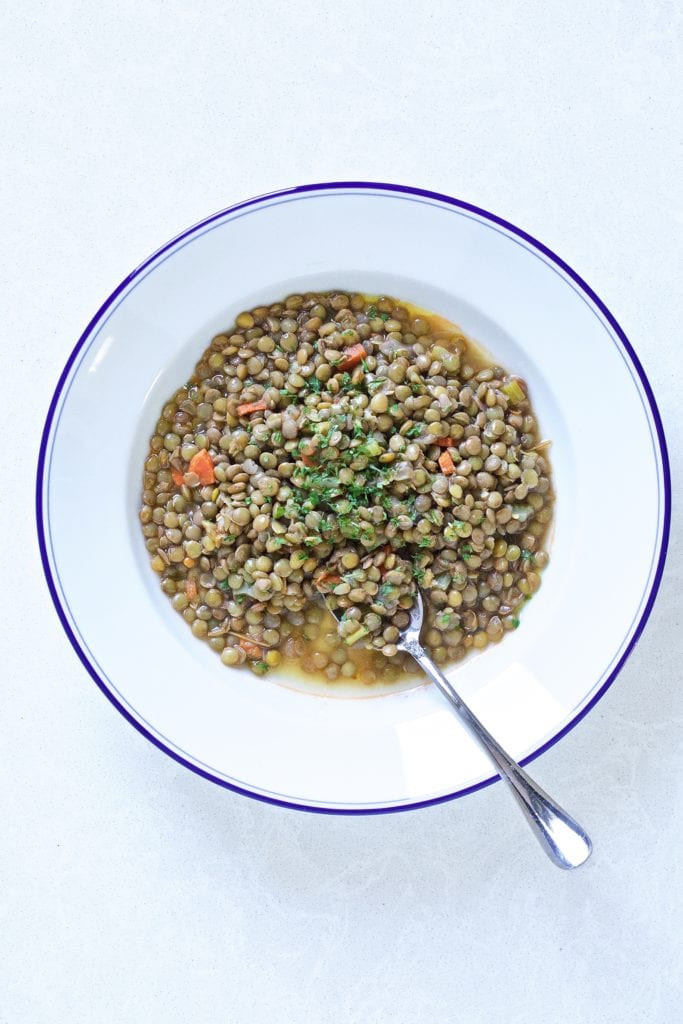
[358, 749]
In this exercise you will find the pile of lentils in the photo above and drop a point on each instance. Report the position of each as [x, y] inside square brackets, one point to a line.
[348, 448]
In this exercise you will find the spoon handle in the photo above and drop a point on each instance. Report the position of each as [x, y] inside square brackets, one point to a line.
[562, 838]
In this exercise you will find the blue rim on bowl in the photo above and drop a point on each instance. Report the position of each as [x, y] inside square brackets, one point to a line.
[410, 192]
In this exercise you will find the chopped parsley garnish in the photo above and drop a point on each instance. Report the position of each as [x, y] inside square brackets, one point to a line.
[277, 437]
[315, 385]
[372, 313]
[224, 585]
[526, 555]
[515, 622]
[466, 552]
[349, 528]
[413, 431]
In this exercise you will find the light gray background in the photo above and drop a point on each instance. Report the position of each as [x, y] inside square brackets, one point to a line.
[134, 891]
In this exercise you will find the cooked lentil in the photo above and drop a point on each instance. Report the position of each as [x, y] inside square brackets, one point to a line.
[353, 447]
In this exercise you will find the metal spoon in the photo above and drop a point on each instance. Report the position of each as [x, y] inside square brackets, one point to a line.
[562, 838]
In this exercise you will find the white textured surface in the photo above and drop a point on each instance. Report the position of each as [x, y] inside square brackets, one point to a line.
[132, 890]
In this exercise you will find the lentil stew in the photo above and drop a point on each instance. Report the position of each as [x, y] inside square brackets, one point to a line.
[354, 447]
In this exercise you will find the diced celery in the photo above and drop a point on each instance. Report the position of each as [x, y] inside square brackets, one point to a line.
[355, 637]
[514, 391]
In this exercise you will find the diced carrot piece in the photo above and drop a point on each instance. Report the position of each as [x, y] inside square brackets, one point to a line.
[190, 589]
[249, 407]
[202, 465]
[178, 478]
[446, 463]
[250, 649]
[328, 578]
[352, 356]
[445, 442]
[307, 454]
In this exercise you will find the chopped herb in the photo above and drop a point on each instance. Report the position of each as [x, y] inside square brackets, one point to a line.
[466, 552]
[287, 394]
[395, 409]
[413, 431]
[515, 622]
[384, 316]
[224, 585]
[276, 437]
[526, 555]
[278, 512]
[345, 381]
[261, 667]
[358, 429]
[349, 528]
[247, 500]
[315, 385]
[418, 575]
[416, 387]
[456, 530]
[425, 542]
[372, 313]
[364, 364]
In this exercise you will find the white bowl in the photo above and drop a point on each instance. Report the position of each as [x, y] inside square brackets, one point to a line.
[525, 306]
